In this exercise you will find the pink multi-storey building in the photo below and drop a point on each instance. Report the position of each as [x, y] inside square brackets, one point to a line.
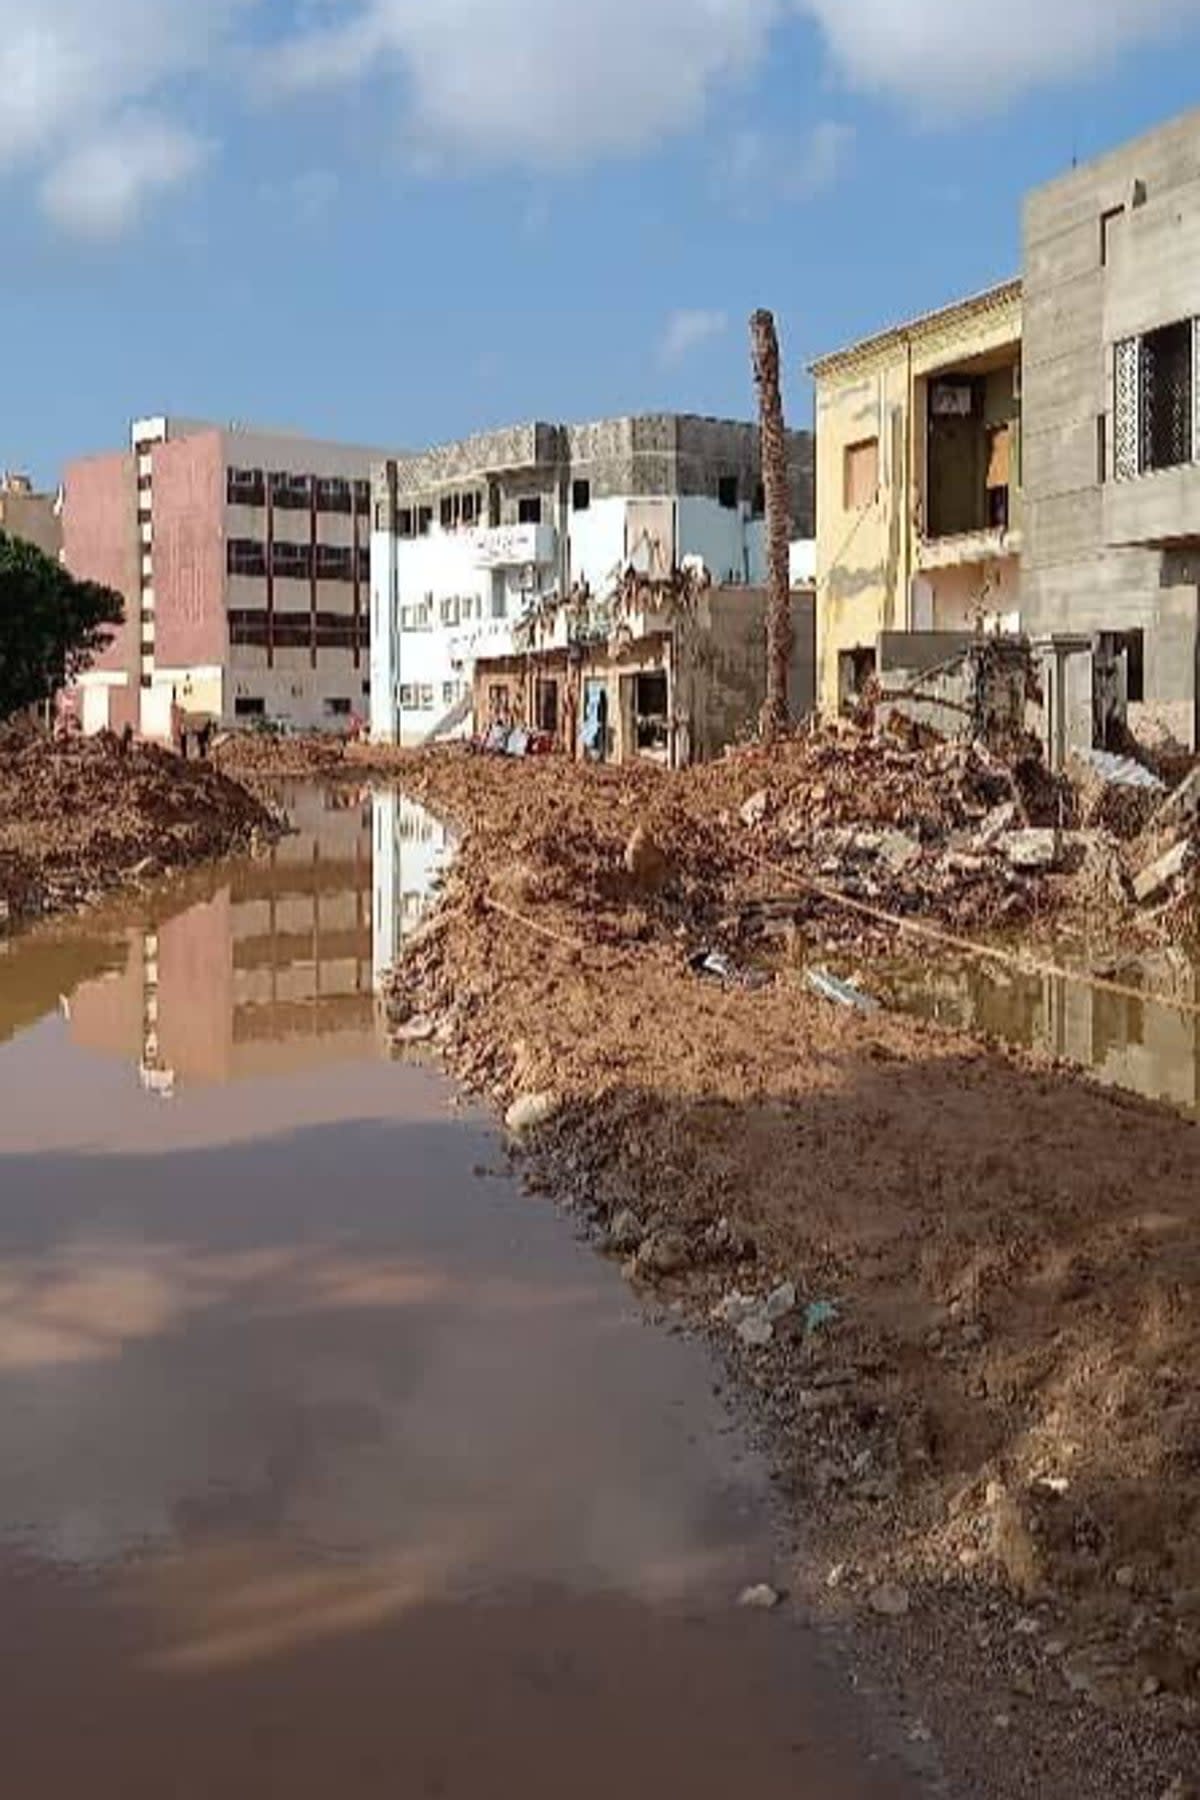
[244, 559]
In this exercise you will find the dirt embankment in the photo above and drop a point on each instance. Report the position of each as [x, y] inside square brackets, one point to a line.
[965, 1286]
[81, 817]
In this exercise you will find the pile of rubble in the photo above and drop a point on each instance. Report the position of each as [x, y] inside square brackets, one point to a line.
[84, 815]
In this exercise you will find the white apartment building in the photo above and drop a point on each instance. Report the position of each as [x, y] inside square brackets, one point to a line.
[471, 538]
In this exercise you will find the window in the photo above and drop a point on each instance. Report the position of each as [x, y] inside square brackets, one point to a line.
[581, 496]
[337, 709]
[425, 696]
[424, 520]
[245, 487]
[362, 496]
[727, 492]
[406, 522]
[246, 556]
[499, 603]
[248, 706]
[335, 562]
[449, 512]
[1166, 397]
[861, 474]
[855, 669]
[529, 510]
[1133, 645]
[760, 500]
[291, 492]
[291, 561]
[448, 611]
[650, 715]
[1101, 448]
[450, 692]
[408, 698]
[999, 476]
[470, 509]
[417, 617]
[334, 494]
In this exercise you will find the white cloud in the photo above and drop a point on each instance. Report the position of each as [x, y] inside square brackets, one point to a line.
[947, 57]
[688, 329]
[74, 76]
[99, 188]
[548, 82]
[542, 83]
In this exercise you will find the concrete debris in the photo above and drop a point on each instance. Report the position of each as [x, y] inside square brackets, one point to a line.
[1160, 879]
[781, 1302]
[762, 1598]
[1031, 851]
[999, 822]
[1181, 809]
[756, 1331]
[1121, 771]
[626, 1232]
[530, 1112]
[420, 1030]
[754, 810]
[664, 1253]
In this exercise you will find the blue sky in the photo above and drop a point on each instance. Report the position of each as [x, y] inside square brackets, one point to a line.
[395, 221]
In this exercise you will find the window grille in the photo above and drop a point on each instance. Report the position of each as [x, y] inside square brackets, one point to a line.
[1126, 411]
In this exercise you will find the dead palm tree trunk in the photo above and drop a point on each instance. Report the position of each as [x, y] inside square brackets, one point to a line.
[776, 712]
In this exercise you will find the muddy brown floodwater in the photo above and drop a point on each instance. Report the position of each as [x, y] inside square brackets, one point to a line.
[332, 1464]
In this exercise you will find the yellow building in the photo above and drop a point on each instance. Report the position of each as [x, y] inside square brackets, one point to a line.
[918, 484]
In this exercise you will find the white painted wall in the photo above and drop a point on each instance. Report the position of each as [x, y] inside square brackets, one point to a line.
[443, 566]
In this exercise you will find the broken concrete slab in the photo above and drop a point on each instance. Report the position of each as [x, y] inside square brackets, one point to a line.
[1000, 820]
[1158, 881]
[1031, 852]
[1182, 806]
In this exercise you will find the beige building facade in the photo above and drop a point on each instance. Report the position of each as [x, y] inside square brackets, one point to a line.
[919, 525]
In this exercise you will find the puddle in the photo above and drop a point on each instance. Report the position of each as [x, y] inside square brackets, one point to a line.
[329, 1465]
[1143, 1045]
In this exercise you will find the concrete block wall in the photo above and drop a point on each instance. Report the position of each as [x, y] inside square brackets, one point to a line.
[1112, 250]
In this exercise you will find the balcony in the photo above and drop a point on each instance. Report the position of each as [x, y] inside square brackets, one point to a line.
[951, 552]
[515, 547]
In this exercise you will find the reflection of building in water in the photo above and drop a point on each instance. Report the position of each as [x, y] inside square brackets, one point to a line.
[270, 972]
[412, 850]
[1131, 1043]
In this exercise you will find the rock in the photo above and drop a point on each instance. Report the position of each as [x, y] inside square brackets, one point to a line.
[530, 1112]
[1000, 820]
[626, 1232]
[415, 1031]
[1125, 1577]
[646, 862]
[756, 1331]
[755, 809]
[762, 1598]
[664, 1253]
[733, 1308]
[1156, 882]
[898, 851]
[781, 1302]
[1030, 852]
[889, 1600]
[1013, 1545]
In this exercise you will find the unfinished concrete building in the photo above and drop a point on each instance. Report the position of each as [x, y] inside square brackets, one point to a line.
[919, 525]
[1112, 409]
[472, 538]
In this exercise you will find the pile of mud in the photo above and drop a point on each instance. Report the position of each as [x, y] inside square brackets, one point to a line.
[270, 756]
[81, 816]
[982, 1379]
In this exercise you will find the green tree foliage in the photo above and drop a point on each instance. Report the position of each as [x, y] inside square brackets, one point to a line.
[51, 625]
